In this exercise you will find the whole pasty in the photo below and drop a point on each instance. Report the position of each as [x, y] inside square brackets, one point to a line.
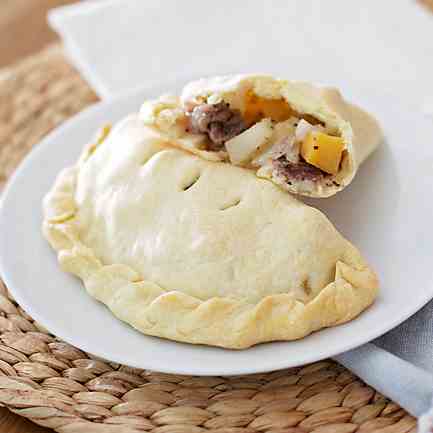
[198, 251]
[306, 139]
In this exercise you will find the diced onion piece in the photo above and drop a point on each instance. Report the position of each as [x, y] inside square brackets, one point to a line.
[323, 151]
[281, 143]
[304, 128]
[243, 147]
[274, 152]
[292, 151]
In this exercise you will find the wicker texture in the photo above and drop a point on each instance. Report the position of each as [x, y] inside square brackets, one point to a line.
[59, 386]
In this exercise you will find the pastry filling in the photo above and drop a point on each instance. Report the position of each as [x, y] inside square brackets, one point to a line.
[268, 132]
[218, 121]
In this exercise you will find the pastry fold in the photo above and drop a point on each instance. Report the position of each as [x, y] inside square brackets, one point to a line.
[304, 138]
[199, 251]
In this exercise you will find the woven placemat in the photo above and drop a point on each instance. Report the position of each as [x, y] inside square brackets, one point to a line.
[58, 386]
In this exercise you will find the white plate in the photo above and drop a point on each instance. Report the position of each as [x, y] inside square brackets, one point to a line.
[387, 212]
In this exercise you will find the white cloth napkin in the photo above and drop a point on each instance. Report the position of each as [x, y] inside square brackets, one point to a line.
[120, 45]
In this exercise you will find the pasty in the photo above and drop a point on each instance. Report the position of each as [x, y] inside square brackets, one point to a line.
[199, 251]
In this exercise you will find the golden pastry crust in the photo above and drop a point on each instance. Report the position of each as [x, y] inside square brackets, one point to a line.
[198, 251]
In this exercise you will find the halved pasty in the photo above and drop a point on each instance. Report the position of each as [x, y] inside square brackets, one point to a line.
[199, 251]
[306, 139]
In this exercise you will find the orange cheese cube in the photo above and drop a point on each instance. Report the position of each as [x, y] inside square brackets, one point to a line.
[323, 151]
[257, 108]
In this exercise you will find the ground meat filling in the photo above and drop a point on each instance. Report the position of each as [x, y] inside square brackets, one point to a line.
[218, 121]
[300, 171]
[221, 123]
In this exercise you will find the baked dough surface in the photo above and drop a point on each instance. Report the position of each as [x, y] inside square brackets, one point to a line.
[199, 251]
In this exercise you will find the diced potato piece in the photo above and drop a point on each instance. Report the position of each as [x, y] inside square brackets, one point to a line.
[244, 146]
[323, 151]
[282, 142]
[257, 108]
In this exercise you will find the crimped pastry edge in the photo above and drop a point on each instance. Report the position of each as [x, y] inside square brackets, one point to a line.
[223, 322]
